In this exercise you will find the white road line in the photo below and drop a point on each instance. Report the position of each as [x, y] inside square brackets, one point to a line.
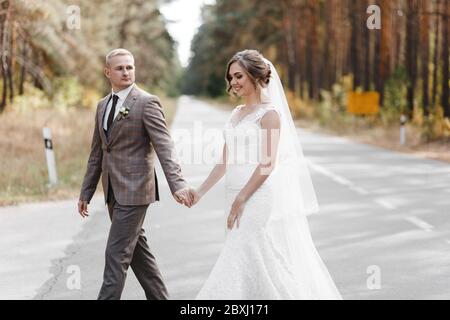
[360, 190]
[440, 187]
[336, 178]
[385, 204]
[420, 223]
[421, 211]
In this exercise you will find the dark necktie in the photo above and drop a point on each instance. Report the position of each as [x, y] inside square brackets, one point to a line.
[111, 113]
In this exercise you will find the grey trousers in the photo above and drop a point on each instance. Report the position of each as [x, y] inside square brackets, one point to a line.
[127, 245]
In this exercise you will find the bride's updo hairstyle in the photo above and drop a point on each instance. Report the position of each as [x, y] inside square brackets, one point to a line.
[252, 62]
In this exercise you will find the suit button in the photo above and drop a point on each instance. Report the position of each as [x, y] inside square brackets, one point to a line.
[108, 149]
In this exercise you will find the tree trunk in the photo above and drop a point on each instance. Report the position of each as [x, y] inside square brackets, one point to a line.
[23, 67]
[11, 58]
[290, 54]
[4, 78]
[383, 47]
[38, 62]
[325, 66]
[5, 5]
[411, 53]
[436, 53]
[366, 56]
[378, 66]
[445, 57]
[299, 54]
[313, 52]
[425, 55]
[354, 43]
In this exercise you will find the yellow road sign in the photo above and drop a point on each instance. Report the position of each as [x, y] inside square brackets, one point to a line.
[363, 102]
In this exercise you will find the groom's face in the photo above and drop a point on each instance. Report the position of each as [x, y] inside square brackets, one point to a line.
[120, 71]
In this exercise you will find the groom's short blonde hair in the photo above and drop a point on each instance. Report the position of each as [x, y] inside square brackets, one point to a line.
[117, 52]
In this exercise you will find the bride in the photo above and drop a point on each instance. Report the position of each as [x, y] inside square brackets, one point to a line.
[268, 253]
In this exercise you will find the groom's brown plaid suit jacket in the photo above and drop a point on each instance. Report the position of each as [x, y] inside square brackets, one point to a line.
[126, 157]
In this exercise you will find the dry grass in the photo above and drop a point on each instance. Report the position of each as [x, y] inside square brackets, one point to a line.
[387, 138]
[23, 169]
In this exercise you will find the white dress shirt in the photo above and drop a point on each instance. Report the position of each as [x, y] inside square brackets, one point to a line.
[122, 94]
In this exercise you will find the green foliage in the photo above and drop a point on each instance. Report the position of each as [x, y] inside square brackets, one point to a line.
[34, 99]
[66, 60]
[67, 92]
[333, 103]
[229, 26]
[172, 87]
[436, 126]
[395, 96]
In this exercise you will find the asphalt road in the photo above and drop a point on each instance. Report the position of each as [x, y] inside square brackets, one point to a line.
[383, 229]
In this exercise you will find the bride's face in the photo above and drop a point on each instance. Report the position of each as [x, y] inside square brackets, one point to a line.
[240, 81]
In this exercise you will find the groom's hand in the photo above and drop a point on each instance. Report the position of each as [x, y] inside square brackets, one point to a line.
[194, 196]
[184, 196]
[83, 208]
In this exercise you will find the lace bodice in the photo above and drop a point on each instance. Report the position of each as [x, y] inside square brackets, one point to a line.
[243, 136]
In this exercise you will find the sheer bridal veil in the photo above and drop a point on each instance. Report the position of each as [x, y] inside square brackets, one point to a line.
[292, 175]
[301, 270]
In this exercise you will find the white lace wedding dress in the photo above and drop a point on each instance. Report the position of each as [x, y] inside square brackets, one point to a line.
[249, 266]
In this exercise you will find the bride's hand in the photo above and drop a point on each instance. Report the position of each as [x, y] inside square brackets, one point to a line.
[196, 195]
[235, 213]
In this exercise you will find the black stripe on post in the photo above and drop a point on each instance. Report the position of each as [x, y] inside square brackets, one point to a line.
[48, 144]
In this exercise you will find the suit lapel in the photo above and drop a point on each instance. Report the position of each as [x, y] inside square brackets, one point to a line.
[101, 116]
[118, 122]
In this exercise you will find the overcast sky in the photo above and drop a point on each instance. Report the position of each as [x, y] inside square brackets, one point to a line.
[184, 20]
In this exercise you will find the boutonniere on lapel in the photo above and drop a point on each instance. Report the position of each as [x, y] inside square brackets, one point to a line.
[123, 112]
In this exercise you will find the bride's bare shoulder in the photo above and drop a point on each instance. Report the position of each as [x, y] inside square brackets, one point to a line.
[237, 108]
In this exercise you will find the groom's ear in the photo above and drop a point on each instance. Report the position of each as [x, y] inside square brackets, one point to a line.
[106, 71]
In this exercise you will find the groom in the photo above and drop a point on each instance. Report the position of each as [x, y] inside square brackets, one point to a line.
[129, 129]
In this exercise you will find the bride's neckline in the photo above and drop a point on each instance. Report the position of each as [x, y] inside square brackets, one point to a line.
[256, 108]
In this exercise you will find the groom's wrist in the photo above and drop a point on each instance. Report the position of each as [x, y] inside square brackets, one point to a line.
[180, 190]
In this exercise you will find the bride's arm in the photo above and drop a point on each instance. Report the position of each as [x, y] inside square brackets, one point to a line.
[270, 123]
[214, 176]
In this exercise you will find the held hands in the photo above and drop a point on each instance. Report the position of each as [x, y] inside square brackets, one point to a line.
[187, 196]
